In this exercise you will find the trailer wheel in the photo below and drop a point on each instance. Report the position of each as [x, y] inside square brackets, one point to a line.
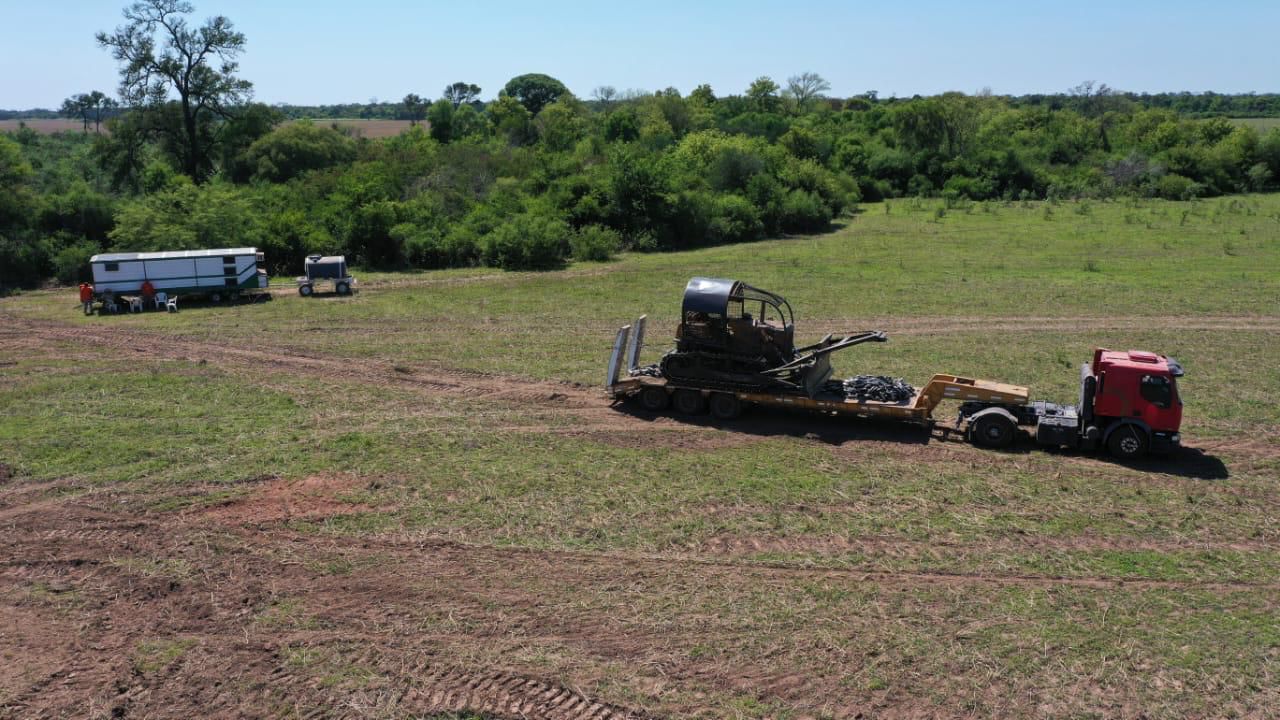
[993, 431]
[215, 297]
[725, 406]
[689, 402]
[1128, 442]
[654, 399]
[342, 288]
[305, 290]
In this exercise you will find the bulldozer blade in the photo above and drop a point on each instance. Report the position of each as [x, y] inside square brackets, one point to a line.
[615, 359]
[637, 343]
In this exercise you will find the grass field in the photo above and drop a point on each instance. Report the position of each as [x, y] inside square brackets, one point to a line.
[416, 500]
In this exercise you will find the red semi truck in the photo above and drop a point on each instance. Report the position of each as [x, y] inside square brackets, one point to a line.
[1129, 404]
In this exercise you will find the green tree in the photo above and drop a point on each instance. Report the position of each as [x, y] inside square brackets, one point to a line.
[703, 95]
[511, 120]
[92, 107]
[559, 125]
[184, 216]
[297, 148]
[162, 55]
[414, 108]
[622, 125]
[76, 107]
[535, 91]
[239, 133]
[763, 94]
[459, 93]
[440, 116]
[468, 122]
[15, 177]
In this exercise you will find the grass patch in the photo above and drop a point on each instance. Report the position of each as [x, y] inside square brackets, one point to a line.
[156, 655]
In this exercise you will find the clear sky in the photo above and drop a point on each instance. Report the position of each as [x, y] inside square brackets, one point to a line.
[318, 51]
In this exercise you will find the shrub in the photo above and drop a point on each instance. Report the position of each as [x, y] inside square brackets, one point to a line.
[1176, 187]
[734, 219]
[969, 187]
[528, 242]
[595, 242]
[71, 263]
[804, 212]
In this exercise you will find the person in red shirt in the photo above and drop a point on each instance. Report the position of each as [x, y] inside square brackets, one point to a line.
[86, 298]
[148, 294]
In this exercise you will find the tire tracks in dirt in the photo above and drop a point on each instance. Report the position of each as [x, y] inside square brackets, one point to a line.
[778, 569]
[575, 410]
[585, 405]
[946, 325]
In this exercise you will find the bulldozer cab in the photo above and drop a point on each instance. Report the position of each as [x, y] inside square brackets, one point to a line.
[732, 317]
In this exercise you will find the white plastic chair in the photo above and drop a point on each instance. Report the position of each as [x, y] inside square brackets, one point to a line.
[135, 304]
[161, 299]
[171, 304]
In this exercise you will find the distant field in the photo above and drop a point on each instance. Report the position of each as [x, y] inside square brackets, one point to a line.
[369, 128]
[42, 125]
[366, 128]
[1259, 124]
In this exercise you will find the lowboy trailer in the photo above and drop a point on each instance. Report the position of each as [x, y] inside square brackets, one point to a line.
[1128, 401]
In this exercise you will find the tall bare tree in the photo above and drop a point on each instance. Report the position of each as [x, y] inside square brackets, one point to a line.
[161, 56]
[805, 87]
[605, 95]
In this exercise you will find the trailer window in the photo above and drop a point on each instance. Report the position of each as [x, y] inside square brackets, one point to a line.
[1157, 390]
[112, 267]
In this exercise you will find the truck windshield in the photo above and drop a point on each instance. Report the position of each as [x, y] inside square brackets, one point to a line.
[1157, 390]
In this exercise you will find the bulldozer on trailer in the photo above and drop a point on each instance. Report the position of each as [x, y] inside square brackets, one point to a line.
[735, 347]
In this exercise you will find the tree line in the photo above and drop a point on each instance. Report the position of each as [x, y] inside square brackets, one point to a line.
[538, 176]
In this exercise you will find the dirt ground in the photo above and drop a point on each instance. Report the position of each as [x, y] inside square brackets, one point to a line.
[111, 609]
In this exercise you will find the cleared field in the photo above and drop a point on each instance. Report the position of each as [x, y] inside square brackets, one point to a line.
[415, 500]
[1259, 124]
[369, 128]
[44, 125]
[365, 128]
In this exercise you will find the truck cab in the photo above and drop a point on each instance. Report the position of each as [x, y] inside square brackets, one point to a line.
[1130, 402]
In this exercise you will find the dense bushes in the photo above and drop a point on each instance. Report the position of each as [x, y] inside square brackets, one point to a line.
[537, 177]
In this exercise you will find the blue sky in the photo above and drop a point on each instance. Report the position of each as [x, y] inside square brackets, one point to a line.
[310, 52]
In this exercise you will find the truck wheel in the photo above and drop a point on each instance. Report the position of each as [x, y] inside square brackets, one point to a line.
[305, 290]
[654, 399]
[725, 406]
[689, 402]
[1128, 442]
[992, 431]
[342, 288]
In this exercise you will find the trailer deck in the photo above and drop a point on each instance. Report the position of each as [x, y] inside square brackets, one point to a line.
[918, 409]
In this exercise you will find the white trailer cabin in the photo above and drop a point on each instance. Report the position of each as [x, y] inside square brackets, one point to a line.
[218, 273]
